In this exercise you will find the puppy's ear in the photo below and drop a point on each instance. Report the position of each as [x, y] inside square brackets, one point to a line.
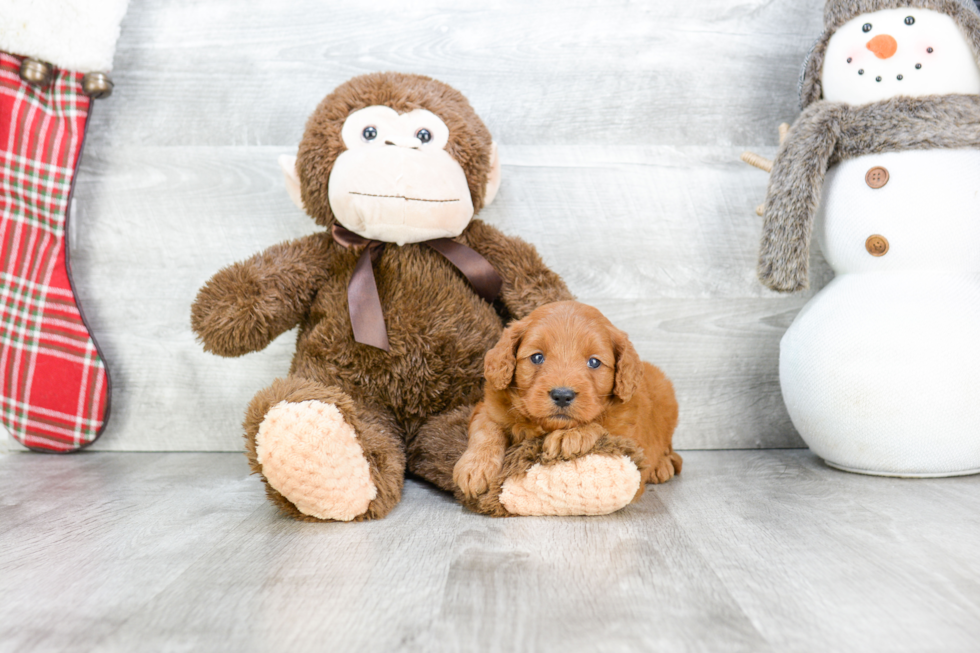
[499, 365]
[629, 367]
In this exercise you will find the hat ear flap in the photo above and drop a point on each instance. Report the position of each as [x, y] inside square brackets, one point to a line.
[501, 361]
[629, 367]
[810, 84]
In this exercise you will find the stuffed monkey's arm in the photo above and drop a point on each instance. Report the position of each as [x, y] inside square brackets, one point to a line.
[246, 305]
[528, 282]
[795, 188]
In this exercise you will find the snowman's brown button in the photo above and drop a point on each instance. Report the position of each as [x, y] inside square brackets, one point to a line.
[877, 177]
[876, 245]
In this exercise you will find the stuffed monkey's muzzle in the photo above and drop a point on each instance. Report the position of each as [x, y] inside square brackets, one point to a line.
[400, 194]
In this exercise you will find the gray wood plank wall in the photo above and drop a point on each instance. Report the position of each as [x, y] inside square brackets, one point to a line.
[620, 126]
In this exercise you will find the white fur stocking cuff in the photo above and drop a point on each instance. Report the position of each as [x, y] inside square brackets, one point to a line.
[76, 35]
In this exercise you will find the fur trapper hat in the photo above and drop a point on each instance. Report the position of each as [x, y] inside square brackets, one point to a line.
[838, 12]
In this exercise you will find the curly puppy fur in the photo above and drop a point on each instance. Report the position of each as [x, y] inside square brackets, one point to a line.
[439, 329]
[830, 132]
[838, 12]
[540, 387]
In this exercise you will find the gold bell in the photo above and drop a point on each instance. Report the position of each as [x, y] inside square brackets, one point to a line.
[97, 85]
[36, 72]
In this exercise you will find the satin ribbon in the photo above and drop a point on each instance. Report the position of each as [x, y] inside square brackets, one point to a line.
[366, 314]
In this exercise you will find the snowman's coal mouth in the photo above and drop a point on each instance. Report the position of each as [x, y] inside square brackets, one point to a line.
[899, 77]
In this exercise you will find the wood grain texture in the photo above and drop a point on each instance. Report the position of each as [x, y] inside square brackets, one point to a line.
[856, 562]
[620, 126]
[744, 551]
[87, 539]
[664, 72]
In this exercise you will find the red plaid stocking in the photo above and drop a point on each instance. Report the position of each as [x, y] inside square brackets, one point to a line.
[54, 385]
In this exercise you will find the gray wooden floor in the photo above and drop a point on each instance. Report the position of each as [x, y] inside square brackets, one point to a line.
[746, 551]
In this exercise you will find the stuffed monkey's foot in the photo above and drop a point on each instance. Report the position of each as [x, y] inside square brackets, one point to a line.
[311, 455]
[590, 485]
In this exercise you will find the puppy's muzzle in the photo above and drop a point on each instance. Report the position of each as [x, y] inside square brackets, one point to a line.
[562, 397]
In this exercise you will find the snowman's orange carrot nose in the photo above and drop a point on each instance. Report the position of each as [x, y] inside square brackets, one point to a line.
[883, 46]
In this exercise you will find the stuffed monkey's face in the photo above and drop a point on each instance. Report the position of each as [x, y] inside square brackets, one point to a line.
[911, 52]
[396, 182]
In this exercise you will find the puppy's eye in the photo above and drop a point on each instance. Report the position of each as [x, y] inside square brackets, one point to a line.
[866, 27]
[369, 133]
[537, 359]
[594, 363]
[423, 135]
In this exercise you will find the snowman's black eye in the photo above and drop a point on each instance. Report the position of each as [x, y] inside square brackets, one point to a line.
[866, 27]
[423, 135]
[909, 20]
[369, 133]
[537, 359]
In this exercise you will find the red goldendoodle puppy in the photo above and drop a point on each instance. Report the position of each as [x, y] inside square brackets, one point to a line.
[567, 374]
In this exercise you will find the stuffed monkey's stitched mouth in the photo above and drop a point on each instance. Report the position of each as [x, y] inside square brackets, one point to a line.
[401, 197]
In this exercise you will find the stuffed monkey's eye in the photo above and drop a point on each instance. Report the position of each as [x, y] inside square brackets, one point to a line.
[909, 20]
[537, 359]
[866, 27]
[369, 133]
[423, 135]
[594, 363]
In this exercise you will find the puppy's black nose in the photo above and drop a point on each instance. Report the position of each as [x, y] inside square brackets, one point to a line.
[562, 396]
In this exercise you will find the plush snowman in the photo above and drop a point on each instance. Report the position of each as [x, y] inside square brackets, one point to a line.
[880, 371]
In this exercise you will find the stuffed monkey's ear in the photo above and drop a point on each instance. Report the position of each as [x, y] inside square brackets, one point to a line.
[288, 164]
[501, 361]
[629, 367]
[493, 179]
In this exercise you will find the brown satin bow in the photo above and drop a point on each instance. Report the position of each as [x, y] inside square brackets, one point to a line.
[366, 315]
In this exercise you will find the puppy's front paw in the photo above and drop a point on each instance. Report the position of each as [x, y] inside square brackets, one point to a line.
[569, 443]
[556, 441]
[474, 472]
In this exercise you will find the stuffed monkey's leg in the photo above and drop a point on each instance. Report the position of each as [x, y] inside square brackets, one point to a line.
[602, 481]
[322, 456]
[435, 449]
[438, 444]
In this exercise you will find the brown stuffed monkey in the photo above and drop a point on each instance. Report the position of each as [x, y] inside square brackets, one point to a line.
[397, 303]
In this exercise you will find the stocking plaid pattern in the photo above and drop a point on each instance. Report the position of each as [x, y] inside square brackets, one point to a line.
[54, 389]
